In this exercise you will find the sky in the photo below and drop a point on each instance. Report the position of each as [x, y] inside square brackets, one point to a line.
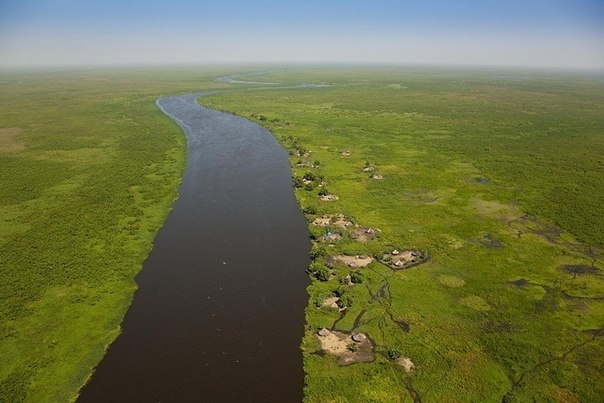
[533, 33]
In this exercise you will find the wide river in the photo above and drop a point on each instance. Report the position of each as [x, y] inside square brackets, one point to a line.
[219, 313]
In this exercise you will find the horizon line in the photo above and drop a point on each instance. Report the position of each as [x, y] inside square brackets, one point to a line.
[57, 67]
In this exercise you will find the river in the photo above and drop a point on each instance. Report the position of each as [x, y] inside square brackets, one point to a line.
[219, 313]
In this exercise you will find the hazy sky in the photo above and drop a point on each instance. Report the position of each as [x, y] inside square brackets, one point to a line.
[554, 33]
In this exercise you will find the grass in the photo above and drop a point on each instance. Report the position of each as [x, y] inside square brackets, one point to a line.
[85, 184]
[500, 180]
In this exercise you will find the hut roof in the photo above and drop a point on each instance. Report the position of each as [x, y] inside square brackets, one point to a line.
[359, 337]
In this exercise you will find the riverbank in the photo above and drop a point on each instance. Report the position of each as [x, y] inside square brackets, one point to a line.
[414, 156]
[456, 166]
[87, 182]
[222, 295]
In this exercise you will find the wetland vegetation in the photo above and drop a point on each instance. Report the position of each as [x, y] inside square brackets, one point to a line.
[494, 184]
[497, 181]
[89, 167]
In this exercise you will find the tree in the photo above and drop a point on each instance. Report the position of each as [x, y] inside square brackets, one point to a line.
[357, 277]
[319, 271]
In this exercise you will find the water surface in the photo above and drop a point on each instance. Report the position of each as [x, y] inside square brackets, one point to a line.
[219, 314]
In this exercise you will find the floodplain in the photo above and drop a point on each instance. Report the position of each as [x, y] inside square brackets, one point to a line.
[497, 178]
[89, 169]
[491, 180]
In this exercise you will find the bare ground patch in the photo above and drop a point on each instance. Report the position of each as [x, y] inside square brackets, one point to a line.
[397, 259]
[341, 221]
[349, 348]
[406, 363]
[323, 221]
[331, 237]
[351, 261]
[363, 234]
[337, 220]
[331, 302]
[328, 197]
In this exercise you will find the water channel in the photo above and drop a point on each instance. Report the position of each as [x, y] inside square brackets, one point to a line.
[219, 313]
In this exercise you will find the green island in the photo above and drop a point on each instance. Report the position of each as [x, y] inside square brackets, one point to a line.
[486, 187]
[456, 220]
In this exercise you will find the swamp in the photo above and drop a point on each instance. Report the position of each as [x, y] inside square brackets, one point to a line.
[493, 185]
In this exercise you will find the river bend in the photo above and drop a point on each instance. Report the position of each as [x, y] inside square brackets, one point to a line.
[219, 313]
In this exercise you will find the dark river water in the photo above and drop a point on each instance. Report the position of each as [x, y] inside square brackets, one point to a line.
[219, 313]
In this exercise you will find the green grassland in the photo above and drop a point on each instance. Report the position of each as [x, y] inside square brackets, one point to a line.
[500, 178]
[89, 168]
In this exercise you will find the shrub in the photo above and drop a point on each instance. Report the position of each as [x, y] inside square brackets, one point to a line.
[309, 176]
[316, 251]
[344, 301]
[394, 353]
[319, 271]
[338, 292]
[357, 277]
[309, 210]
[322, 274]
